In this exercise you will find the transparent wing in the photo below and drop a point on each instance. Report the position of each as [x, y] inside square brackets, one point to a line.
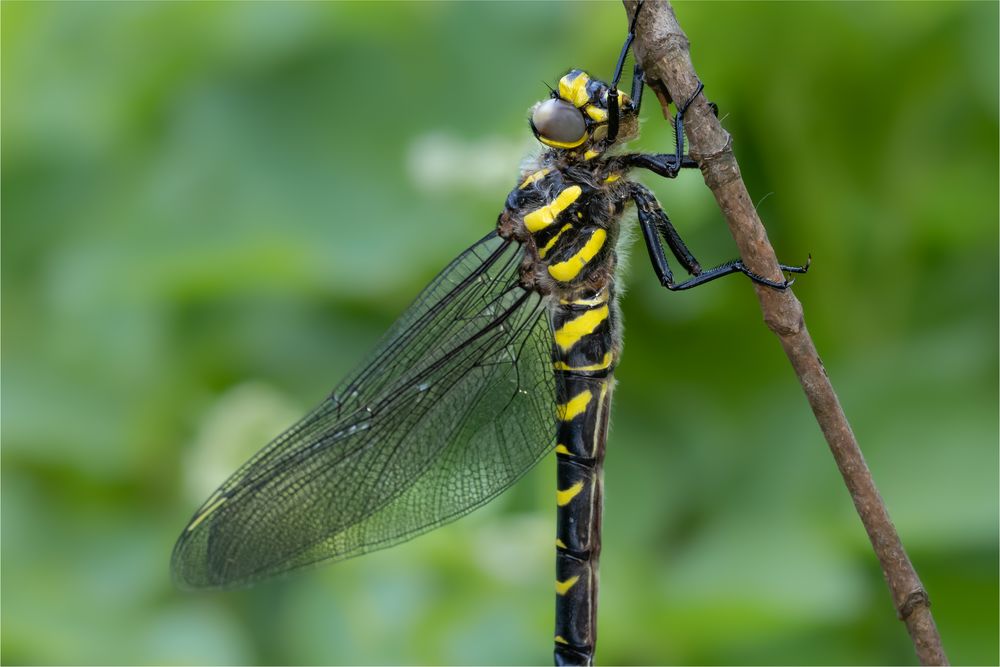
[453, 406]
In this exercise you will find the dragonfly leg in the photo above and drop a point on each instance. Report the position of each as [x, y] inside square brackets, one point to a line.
[663, 164]
[679, 119]
[638, 83]
[613, 93]
[737, 266]
[656, 228]
[668, 165]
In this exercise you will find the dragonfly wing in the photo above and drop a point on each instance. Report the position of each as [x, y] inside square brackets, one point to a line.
[452, 407]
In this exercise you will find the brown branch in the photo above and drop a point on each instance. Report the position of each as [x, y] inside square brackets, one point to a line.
[663, 50]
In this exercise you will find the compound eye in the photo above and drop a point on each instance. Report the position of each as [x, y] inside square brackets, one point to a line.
[560, 121]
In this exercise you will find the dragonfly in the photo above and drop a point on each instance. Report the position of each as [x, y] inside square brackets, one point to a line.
[507, 355]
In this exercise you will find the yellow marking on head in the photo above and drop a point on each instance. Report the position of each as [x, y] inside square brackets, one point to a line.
[537, 176]
[208, 510]
[564, 497]
[570, 333]
[612, 178]
[562, 144]
[575, 90]
[600, 298]
[596, 113]
[560, 640]
[562, 587]
[591, 154]
[548, 246]
[566, 271]
[574, 407]
[561, 449]
[542, 217]
[599, 366]
[560, 544]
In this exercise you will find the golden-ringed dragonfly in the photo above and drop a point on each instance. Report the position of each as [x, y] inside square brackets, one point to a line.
[520, 333]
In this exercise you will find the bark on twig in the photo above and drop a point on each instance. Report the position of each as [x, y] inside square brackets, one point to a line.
[663, 50]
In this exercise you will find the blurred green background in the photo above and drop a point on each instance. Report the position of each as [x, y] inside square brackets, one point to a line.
[212, 211]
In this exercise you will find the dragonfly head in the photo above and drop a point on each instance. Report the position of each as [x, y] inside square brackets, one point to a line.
[576, 115]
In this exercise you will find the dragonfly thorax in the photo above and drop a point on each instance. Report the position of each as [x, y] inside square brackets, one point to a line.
[567, 218]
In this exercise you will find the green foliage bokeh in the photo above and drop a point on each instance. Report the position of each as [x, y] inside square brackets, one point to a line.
[211, 211]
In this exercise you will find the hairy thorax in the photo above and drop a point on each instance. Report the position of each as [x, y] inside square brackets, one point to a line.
[566, 217]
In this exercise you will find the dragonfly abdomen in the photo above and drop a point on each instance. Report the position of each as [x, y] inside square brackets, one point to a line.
[584, 351]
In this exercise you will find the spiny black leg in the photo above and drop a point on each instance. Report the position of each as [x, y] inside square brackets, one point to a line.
[612, 115]
[656, 255]
[656, 225]
[628, 42]
[638, 83]
[613, 93]
[679, 119]
[682, 109]
[621, 57]
[650, 212]
[667, 165]
[797, 269]
[737, 266]
[663, 164]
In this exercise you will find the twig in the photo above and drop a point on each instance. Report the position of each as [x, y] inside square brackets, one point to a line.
[663, 50]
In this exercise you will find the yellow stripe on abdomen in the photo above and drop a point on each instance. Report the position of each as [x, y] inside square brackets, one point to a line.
[596, 300]
[542, 217]
[562, 587]
[574, 406]
[599, 366]
[566, 271]
[564, 497]
[570, 333]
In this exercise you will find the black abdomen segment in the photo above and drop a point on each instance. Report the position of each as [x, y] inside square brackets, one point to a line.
[583, 358]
